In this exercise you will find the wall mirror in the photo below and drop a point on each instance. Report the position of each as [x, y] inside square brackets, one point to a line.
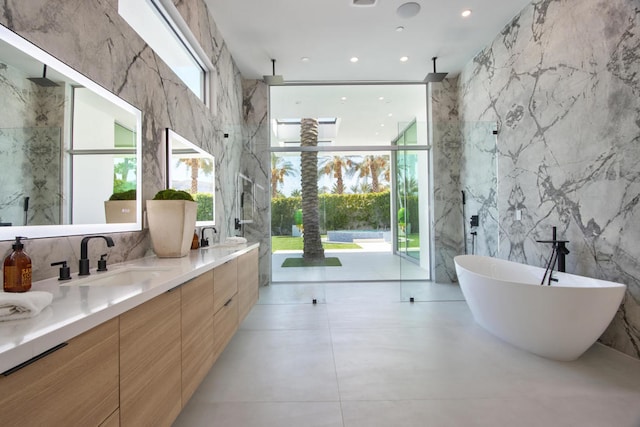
[66, 145]
[244, 200]
[191, 169]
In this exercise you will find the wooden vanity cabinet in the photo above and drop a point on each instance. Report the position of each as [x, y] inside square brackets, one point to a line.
[247, 283]
[197, 332]
[225, 305]
[76, 385]
[150, 362]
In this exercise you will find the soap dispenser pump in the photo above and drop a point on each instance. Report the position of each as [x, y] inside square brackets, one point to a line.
[17, 269]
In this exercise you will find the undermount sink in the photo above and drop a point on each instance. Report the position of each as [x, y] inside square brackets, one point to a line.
[124, 276]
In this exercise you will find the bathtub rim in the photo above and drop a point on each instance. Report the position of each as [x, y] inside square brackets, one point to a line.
[459, 260]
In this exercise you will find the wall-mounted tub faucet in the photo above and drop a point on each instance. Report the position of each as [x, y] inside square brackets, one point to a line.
[205, 242]
[83, 263]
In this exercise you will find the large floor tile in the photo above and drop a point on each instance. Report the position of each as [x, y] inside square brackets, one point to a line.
[261, 414]
[414, 363]
[292, 293]
[444, 413]
[287, 317]
[273, 366]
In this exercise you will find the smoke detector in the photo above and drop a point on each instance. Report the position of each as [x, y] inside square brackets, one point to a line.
[363, 2]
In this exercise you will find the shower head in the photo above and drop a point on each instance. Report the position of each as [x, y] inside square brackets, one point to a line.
[43, 81]
[435, 77]
[273, 80]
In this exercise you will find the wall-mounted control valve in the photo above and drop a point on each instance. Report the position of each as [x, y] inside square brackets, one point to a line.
[475, 221]
[65, 271]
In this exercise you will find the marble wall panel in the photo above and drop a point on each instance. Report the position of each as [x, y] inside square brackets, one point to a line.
[91, 37]
[30, 149]
[446, 144]
[256, 164]
[561, 80]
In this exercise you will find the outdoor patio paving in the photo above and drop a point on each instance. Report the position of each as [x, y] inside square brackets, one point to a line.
[373, 262]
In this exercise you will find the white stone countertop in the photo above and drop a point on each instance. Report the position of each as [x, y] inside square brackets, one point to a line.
[76, 308]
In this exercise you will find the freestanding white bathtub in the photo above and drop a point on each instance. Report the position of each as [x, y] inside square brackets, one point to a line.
[559, 322]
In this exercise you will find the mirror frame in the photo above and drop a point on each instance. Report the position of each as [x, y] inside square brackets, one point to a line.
[173, 137]
[41, 231]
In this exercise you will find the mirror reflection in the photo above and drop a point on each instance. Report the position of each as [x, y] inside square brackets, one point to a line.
[66, 145]
[191, 169]
[244, 200]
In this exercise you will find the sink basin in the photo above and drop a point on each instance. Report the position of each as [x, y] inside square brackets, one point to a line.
[124, 276]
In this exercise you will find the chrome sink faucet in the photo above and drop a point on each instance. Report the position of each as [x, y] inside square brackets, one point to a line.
[205, 242]
[83, 263]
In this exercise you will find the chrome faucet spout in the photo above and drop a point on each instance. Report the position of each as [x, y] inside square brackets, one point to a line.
[83, 263]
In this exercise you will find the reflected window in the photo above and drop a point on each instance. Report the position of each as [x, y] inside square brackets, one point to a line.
[103, 144]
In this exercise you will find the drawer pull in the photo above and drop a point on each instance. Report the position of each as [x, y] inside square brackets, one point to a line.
[33, 359]
[228, 302]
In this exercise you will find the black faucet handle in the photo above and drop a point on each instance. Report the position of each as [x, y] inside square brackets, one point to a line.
[65, 271]
[102, 263]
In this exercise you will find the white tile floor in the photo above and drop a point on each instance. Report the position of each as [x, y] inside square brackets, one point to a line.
[366, 359]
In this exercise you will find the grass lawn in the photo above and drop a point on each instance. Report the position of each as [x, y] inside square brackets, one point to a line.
[288, 243]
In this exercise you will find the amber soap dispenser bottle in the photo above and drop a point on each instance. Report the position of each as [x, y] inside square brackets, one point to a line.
[17, 269]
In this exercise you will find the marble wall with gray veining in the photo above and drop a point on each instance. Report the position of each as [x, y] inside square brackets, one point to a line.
[256, 164]
[562, 82]
[30, 149]
[446, 143]
[91, 37]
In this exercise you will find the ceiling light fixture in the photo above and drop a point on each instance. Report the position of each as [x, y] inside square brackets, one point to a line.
[304, 59]
[466, 13]
[354, 59]
[363, 2]
[404, 58]
[344, 98]
[408, 10]
[399, 29]
[381, 98]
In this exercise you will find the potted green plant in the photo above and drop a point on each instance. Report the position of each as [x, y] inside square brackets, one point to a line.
[171, 216]
[121, 207]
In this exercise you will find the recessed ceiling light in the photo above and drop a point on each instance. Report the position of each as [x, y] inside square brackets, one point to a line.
[404, 58]
[344, 98]
[381, 125]
[466, 13]
[408, 10]
[305, 59]
[400, 29]
[381, 98]
[354, 59]
[390, 114]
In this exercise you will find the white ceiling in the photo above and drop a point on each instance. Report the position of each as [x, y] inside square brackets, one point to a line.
[330, 32]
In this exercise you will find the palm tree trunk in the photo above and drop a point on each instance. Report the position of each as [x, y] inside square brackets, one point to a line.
[194, 175]
[312, 245]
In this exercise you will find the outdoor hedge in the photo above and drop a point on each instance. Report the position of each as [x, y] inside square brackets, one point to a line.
[370, 211]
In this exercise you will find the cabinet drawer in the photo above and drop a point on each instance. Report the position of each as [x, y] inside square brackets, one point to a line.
[225, 283]
[197, 332]
[150, 362]
[247, 283]
[225, 324]
[76, 385]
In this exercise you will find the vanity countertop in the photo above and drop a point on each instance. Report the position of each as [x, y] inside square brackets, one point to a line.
[76, 308]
